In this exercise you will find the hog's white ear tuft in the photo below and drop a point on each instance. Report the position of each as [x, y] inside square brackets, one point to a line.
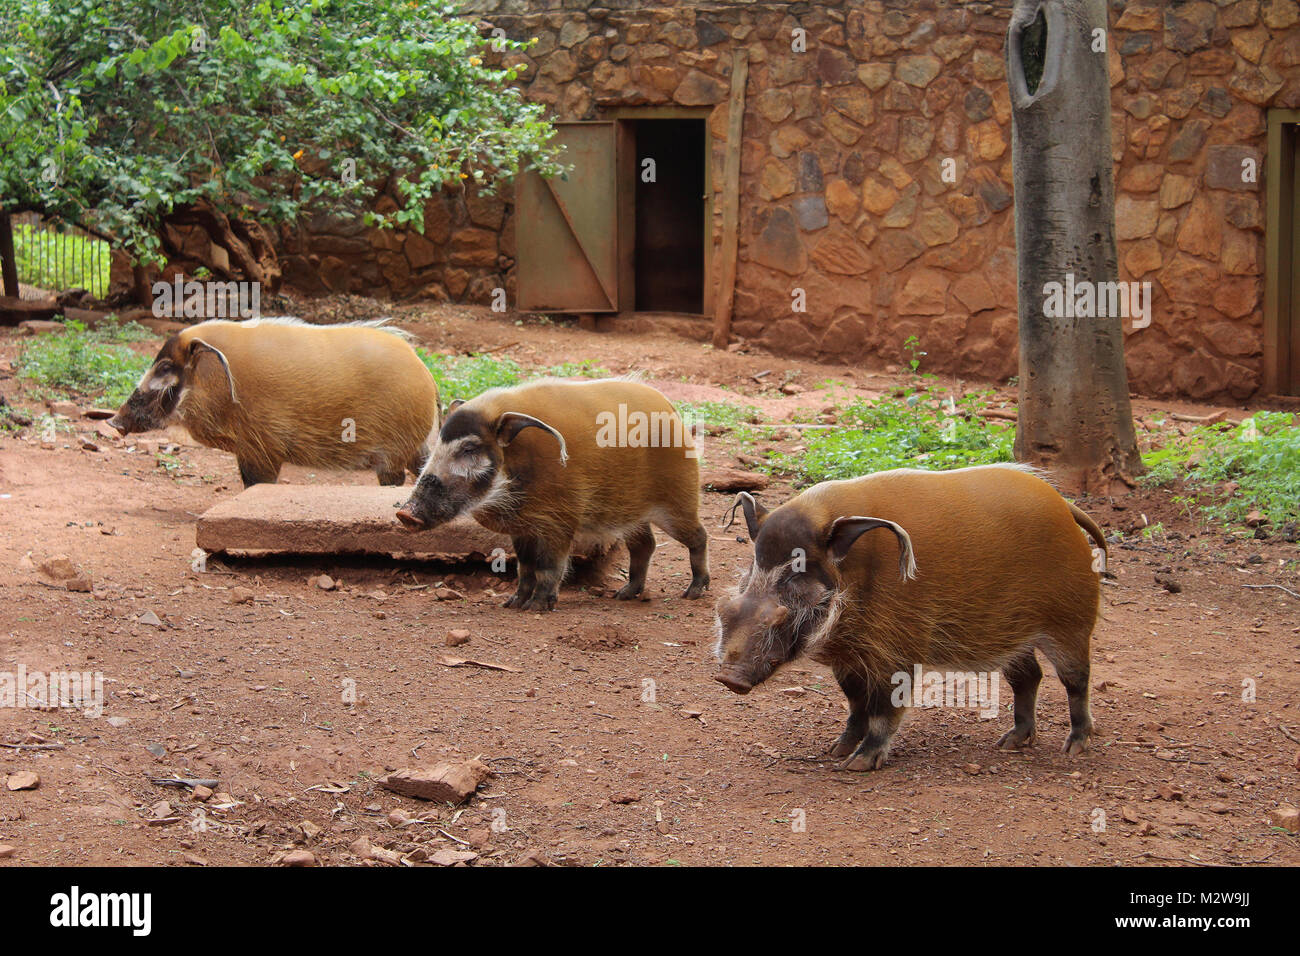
[511, 424]
[845, 531]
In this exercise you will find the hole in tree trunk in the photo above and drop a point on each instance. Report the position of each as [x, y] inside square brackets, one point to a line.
[1033, 47]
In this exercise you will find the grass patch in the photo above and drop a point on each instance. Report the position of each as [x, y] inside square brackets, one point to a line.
[93, 362]
[464, 376]
[1262, 455]
[60, 260]
[921, 429]
[718, 413]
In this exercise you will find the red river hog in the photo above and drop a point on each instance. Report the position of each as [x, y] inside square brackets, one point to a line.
[966, 570]
[279, 390]
[552, 463]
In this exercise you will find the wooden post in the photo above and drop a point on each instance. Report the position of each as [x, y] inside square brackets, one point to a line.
[8, 260]
[726, 287]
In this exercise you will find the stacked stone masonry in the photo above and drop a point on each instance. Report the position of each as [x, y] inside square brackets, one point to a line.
[843, 192]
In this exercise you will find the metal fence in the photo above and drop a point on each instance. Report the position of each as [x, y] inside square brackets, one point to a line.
[57, 257]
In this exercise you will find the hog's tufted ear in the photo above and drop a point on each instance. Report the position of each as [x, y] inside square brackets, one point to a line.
[754, 513]
[511, 424]
[845, 531]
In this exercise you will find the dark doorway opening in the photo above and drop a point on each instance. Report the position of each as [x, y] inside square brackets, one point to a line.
[669, 260]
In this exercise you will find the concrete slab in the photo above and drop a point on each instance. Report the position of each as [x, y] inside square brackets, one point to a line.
[336, 519]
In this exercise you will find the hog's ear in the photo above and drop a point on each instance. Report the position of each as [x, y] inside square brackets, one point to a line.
[845, 531]
[754, 513]
[198, 348]
[455, 404]
[511, 424]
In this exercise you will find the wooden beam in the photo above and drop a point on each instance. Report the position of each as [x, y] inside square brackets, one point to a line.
[726, 286]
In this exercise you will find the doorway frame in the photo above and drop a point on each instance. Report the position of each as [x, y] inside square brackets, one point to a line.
[624, 116]
[1279, 179]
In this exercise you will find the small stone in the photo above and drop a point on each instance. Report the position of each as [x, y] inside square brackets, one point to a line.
[324, 582]
[310, 831]
[1286, 817]
[150, 619]
[59, 567]
[6, 851]
[626, 797]
[457, 637]
[240, 595]
[448, 594]
[452, 857]
[299, 858]
[972, 768]
[202, 794]
[23, 780]
[444, 783]
[795, 691]
[398, 817]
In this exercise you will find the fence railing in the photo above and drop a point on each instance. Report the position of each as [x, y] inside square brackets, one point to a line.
[59, 257]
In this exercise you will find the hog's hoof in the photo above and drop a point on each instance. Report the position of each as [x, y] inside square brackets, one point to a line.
[843, 747]
[1016, 738]
[543, 602]
[871, 760]
[628, 592]
[1076, 743]
[697, 589]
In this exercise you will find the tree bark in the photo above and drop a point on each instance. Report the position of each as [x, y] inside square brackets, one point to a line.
[1075, 416]
[8, 258]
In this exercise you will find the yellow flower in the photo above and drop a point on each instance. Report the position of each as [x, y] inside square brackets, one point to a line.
[298, 155]
[474, 61]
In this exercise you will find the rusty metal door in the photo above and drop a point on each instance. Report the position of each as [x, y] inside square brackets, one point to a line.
[567, 229]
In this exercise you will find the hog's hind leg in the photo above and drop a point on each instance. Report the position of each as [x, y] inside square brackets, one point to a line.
[640, 543]
[1024, 675]
[1070, 657]
[692, 534]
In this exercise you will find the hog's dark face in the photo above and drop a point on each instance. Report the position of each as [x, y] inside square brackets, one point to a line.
[790, 592]
[466, 470]
[155, 402]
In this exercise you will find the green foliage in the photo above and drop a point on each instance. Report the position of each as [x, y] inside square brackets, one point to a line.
[95, 362]
[717, 413]
[1262, 455]
[466, 376]
[919, 430]
[119, 113]
[585, 368]
[60, 260]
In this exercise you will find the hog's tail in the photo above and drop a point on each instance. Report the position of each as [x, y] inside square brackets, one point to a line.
[1082, 519]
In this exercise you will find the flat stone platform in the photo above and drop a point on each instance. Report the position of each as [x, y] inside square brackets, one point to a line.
[336, 519]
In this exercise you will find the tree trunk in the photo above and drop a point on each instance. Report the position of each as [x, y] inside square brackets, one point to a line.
[8, 259]
[1075, 417]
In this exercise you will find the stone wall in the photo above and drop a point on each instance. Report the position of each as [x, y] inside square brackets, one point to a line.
[843, 192]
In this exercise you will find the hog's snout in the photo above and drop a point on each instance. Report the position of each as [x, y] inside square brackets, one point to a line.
[734, 680]
[119, 423]
[408, 518]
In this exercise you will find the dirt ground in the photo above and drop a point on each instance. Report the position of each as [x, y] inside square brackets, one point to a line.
[610, 744]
